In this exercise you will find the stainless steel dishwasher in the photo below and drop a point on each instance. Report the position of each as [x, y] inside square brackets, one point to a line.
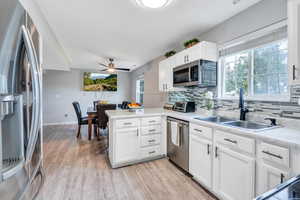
[178, 153]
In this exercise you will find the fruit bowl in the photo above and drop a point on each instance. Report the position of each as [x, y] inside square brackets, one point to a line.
[134, 106]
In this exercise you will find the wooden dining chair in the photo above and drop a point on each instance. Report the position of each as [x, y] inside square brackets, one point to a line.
[81, 120]
[102, 117]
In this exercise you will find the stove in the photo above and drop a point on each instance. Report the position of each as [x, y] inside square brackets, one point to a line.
[289, 190]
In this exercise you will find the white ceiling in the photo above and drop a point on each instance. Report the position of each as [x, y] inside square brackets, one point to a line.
[90, 30]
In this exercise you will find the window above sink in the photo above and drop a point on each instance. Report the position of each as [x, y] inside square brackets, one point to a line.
[262, 70]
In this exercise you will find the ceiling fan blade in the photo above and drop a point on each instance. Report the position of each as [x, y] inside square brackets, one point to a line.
[122, 69]
[103, 64]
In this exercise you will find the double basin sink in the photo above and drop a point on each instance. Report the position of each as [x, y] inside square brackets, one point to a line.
[238, 124]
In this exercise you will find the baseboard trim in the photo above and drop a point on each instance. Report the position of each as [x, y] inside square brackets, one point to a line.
[59, 123]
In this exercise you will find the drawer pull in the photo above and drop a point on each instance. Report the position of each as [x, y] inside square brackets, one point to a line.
[198, 130]
[271, 154]
[152, 152]
[151, 140]
[152, 121]
[152, 130]
[229, 140]
[127, 123]
[216, 152]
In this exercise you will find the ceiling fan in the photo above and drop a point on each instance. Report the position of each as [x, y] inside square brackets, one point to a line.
[112, 68]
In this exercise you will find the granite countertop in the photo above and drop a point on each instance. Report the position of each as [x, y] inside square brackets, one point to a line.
[282, 135]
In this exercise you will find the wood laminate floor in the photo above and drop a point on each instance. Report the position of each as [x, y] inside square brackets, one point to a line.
[79, 170]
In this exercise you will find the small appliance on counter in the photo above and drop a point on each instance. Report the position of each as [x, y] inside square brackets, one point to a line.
[290, 190]
[185, 107]
[168, 106]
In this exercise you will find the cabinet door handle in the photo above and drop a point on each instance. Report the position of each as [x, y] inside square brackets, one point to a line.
[231, 141]
[216, 152]
[198, 130]
[187, 58]
[281, 178]
[151, 140]
[152, 152]
[152, 121]
[294, 72]
[127, 123]
[151, 130]
[272, 154]
[137, 132]
[208, 149]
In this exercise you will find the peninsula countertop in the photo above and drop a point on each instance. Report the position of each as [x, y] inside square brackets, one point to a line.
[283, 135]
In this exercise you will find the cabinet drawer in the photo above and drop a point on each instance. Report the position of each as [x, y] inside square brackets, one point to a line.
[150, 140]
[150, 152]
[236, 142]
[126, 123]
[201, 131]
[274, 154]
[151, 121]
[151, 130]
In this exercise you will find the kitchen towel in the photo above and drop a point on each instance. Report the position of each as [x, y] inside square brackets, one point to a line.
[175, 133]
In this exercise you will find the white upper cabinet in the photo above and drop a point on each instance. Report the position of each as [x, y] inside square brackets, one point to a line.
[204, 50]
[166, 75]
[294, 40]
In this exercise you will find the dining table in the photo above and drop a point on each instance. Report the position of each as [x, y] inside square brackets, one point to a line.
[91, 114]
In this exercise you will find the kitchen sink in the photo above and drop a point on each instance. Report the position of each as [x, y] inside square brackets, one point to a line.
[216, 119]
[249, 125]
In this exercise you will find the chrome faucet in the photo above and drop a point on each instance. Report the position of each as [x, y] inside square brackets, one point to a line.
[243, 109]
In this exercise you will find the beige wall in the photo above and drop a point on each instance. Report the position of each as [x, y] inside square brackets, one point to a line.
[152, 97]
[61, 88]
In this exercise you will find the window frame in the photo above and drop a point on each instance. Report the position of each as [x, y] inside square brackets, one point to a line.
[286, 97]
[138, 92]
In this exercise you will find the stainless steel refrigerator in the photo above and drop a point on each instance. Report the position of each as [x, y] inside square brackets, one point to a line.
[21, 174]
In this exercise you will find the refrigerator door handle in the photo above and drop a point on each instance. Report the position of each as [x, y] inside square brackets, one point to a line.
[36, 91]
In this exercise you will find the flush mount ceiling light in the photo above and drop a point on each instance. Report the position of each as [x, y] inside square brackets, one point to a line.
[153, 3]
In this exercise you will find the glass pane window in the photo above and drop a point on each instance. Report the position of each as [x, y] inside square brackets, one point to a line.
[270, 69]
[236, 70]
[261, 71]
[140, 85]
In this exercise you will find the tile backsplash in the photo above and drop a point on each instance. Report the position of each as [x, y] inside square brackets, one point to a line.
[284, 110]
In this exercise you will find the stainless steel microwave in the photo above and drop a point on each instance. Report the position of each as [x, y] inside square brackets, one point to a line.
[202, 73]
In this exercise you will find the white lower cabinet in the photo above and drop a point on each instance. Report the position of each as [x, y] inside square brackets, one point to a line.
[234, 174]
[127, 145]
[200, 164]
[268, 177]
[134, 140]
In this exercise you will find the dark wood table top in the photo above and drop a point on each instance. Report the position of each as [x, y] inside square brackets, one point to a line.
[91, 110]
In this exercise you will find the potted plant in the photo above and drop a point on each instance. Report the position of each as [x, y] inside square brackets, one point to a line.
[170, 53]
[191, 43]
